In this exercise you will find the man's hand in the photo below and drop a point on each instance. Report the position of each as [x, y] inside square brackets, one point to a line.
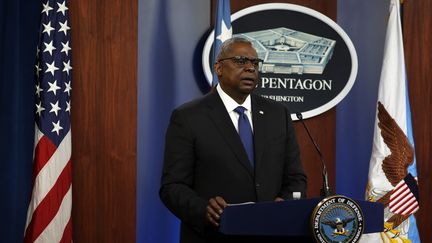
[279, 199]
[215, 208]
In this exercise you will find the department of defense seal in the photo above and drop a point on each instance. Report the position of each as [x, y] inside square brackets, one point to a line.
[337, 219]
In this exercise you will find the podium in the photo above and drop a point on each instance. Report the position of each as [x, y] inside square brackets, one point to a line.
[287, 218]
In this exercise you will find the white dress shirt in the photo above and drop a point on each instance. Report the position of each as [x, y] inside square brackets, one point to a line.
[230, 104]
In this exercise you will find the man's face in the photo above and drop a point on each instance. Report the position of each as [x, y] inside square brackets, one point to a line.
[238, 79]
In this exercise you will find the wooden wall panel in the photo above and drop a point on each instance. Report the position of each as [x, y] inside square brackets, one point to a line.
[104, 103]
[417, 29]
[322, 127]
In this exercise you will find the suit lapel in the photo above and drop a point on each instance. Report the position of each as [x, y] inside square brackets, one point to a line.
[223, 123]
[258, 117]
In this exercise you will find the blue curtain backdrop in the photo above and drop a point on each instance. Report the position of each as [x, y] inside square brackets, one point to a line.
[355, 115]
[169, 74]
[19, 26]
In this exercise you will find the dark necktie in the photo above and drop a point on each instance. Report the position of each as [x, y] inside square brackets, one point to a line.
[245, 132]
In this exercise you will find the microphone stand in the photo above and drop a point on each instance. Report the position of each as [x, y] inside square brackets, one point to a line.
[325, 190]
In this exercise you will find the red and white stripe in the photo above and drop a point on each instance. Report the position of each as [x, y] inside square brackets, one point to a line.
[402, 200]
[49, 212]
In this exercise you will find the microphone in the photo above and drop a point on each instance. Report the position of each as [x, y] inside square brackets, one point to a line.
[325, 190]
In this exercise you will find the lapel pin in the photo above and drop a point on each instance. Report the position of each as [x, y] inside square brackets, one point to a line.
[261, 112]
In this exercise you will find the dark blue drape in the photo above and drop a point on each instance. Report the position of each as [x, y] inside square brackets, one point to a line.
[157, 96]
[19, 26]
[355, 115]
[169, 74]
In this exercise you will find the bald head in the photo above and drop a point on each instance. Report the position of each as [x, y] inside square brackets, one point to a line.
[226, 46]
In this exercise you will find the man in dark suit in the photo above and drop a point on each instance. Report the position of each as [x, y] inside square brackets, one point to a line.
[210, 162]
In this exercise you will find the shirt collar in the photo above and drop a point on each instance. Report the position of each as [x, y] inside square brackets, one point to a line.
[230, 104]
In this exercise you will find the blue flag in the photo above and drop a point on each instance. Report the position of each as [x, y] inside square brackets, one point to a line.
[223, 30]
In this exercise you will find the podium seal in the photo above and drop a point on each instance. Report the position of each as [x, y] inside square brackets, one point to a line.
[337, 219]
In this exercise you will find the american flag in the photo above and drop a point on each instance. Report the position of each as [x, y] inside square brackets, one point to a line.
[223, 30]
[404, 197]
[49, 212]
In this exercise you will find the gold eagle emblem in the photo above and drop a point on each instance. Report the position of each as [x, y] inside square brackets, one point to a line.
[395, 165]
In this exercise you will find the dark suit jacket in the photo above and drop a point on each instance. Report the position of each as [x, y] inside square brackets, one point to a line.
[205, 158]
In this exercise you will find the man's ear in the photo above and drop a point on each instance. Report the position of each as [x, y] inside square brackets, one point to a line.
[218, 68]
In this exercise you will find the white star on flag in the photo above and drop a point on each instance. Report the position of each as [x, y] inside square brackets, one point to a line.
[49, 47]
[55, 108]
[62, 7]
[222, 32]
[51, 68]
[66, 48]
[38, 90]
[225, 32]
[39, 108]
[47, 28]
[53, 87]
[38, 69]
[46, 8]
[68, 106]
[67, 67]
[68, 87]
[56, 127]
[64, 27]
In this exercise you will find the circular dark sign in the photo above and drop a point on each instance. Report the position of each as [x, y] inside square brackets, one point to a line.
[310, 63]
